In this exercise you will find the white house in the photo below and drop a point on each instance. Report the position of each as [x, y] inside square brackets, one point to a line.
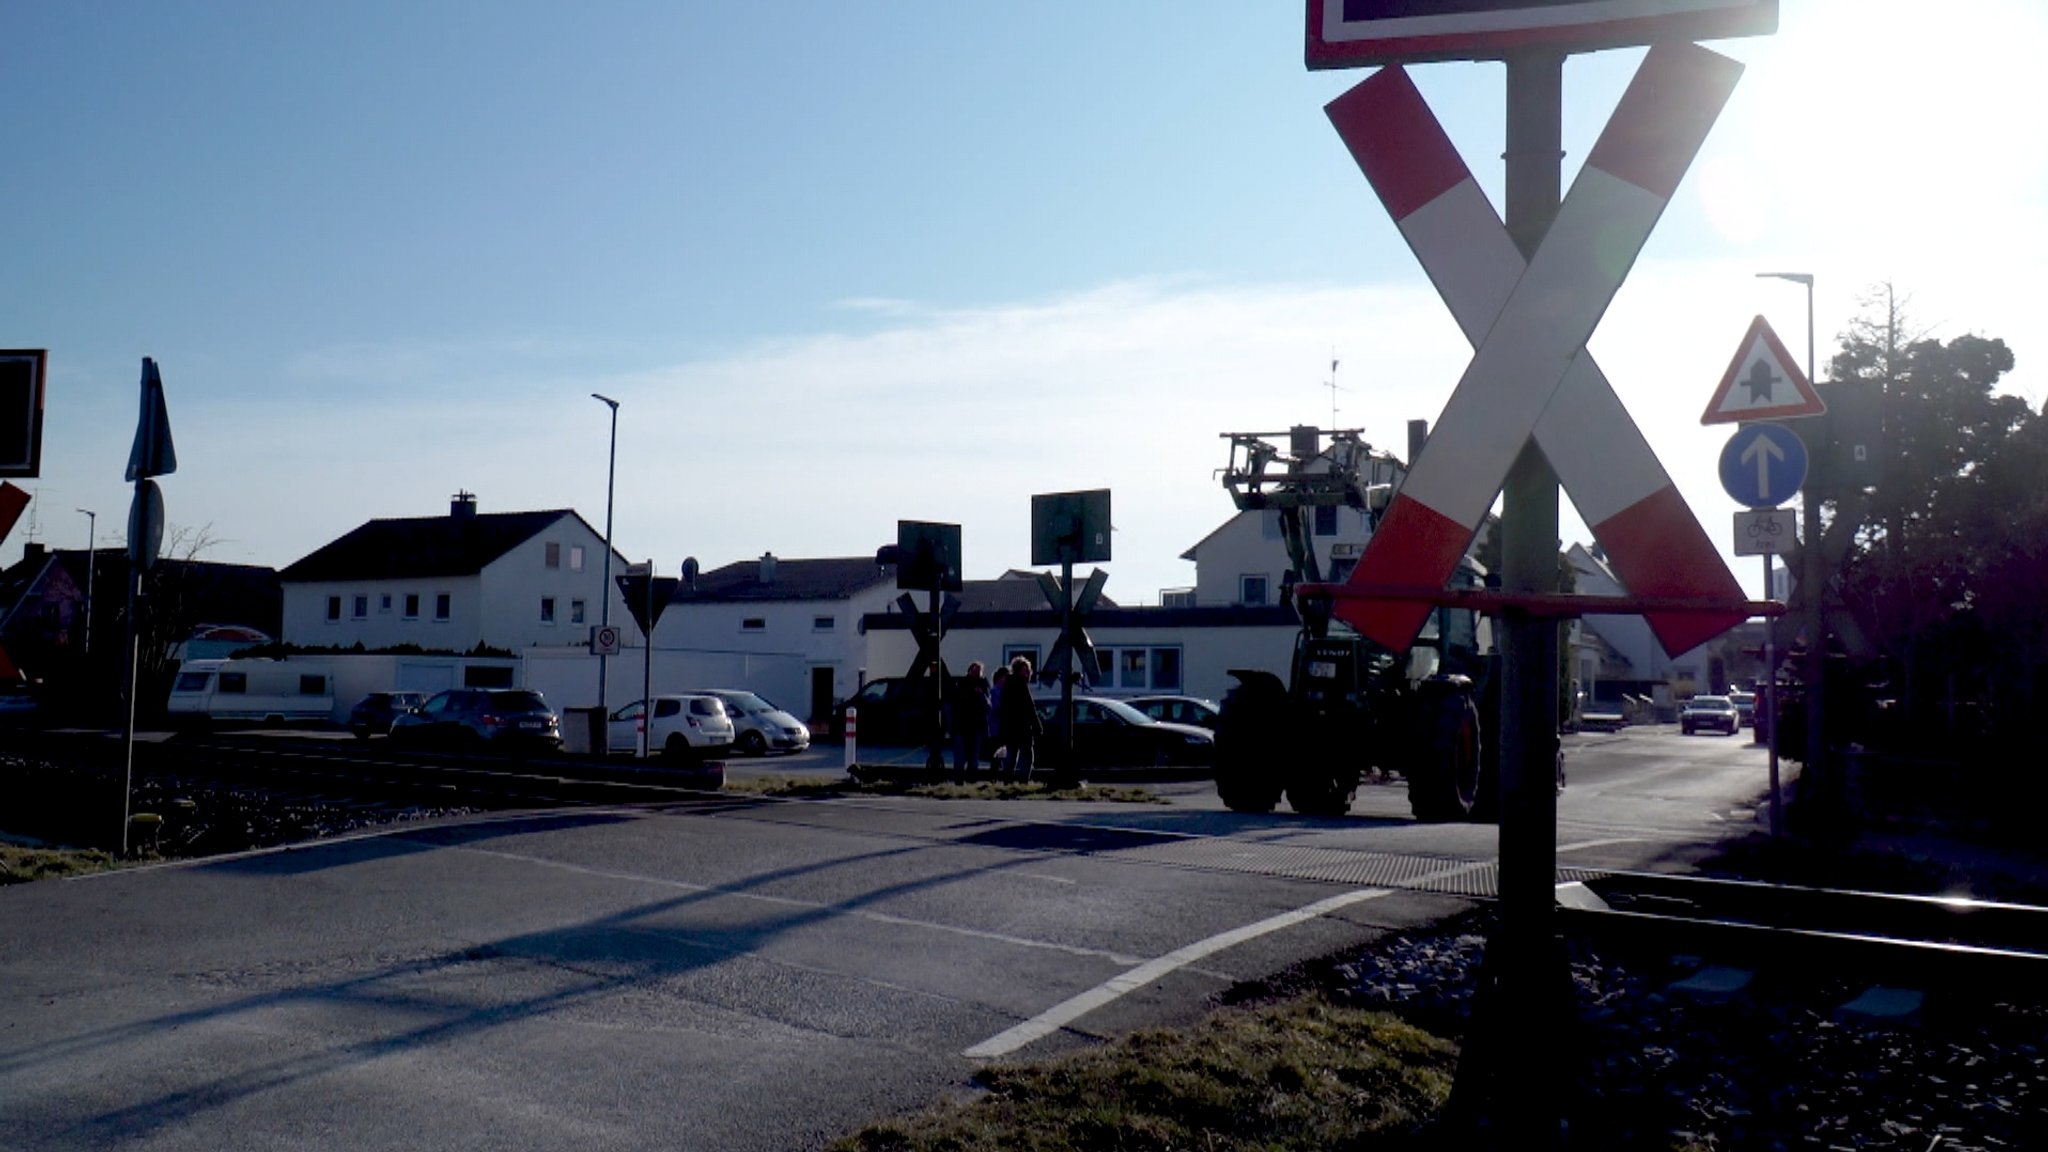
[512, 580]
[787, 629]
[1628, 639]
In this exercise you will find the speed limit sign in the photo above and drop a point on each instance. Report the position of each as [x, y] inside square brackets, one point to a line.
[604, 640]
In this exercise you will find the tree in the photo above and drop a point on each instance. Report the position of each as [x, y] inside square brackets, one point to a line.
[1954, 529]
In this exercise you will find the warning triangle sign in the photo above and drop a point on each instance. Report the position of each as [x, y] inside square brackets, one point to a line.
[1763, 383]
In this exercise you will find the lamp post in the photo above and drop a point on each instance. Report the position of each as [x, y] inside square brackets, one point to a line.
[604, 598]
[1809, 579]
[92, 523]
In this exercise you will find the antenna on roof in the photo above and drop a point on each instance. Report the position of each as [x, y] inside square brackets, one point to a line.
[1331, 384]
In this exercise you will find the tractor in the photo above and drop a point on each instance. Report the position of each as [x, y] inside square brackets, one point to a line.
[1348, 705]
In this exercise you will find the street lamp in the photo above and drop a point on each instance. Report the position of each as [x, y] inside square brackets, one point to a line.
[92, 523]
[604, 599]
[1809, 580]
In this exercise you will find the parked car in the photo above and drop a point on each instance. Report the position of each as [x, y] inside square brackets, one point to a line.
[511, 719]
[758, 726]
[1178, 709]
[1745, 707]
[1716, 712]
[374, 714]
[687, 726]
[893, 710]
[1112, 734]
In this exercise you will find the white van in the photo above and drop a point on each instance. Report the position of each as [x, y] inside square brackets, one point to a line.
[251, 691]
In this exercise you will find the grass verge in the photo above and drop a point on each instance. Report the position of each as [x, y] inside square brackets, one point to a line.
[20, 864]
[1298, 1074]
[977, 790]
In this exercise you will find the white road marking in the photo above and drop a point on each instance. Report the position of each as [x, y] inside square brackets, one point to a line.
[1067, 1011]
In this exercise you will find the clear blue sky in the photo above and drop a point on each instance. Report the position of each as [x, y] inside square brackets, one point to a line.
[845, 264]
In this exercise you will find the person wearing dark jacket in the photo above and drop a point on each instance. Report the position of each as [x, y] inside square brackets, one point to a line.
[970, 721]
[1017, 720]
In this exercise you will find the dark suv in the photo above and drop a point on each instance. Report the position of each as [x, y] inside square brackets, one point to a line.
[374, 714]
[513, 719]
[893, 710]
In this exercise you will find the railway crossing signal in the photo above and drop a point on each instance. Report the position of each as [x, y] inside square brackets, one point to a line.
[1073, 651]
[1531, 376]
[928, 629]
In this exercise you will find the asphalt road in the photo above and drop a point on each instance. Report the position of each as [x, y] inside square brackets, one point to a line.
[727, 974]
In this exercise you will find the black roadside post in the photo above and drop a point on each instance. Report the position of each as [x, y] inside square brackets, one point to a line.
[926, 557]
[1067, 527]
[153, 454]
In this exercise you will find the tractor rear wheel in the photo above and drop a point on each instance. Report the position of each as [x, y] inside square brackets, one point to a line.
[1252, 721]
[1444, 780]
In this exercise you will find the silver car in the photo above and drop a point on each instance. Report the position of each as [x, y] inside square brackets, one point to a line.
[759, 727]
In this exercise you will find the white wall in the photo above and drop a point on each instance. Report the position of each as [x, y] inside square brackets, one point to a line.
[775, 660]
[1207, 652]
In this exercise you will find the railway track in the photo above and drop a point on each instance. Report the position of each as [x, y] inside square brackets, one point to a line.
[1894, 955]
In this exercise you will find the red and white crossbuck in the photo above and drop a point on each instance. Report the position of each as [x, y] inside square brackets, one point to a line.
[1530, 374]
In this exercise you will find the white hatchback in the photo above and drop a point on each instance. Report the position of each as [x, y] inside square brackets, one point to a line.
[686, 726]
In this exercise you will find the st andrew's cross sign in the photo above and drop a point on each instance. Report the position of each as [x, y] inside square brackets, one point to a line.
[1530, 375]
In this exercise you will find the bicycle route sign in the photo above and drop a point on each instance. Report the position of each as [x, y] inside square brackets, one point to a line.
[1765, 531]
[1762, 465]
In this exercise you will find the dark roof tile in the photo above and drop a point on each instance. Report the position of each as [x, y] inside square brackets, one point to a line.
[422, 547]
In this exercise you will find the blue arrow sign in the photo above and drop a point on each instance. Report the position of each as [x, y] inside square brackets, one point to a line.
[1763, 465]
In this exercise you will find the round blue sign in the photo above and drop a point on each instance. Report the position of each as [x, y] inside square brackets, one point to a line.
[1763, 465]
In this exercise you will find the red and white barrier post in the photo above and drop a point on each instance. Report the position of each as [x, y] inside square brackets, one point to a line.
[852, 724]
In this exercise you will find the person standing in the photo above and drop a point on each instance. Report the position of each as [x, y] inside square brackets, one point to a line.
[998, 758]
[1018, 720]
[970, 721]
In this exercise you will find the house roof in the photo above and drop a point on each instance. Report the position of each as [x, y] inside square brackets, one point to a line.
[830, 578]
[425, 546]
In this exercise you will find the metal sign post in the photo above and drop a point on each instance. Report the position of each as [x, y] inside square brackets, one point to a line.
[1528, 295]
[152, 454]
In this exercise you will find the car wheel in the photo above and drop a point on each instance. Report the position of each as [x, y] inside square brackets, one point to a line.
[677, 748]
[753, 744]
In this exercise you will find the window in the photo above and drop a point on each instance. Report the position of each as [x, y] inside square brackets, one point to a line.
[823, 623]
[575, 557]
[384, 602]
[754, 624]
[575, 611]
[1326, 520]
[333, 609]
[412, 605]
[441, 600]
[359, 607]
[554, 555]
[1251, 589]
[1177, 598]
[312, 685]
[1145, 669]
[1166, 670]
[234, 682]
[547, 609]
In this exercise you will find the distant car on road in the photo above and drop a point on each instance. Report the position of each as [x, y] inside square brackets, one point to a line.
[1715, 712]
[1178, 709]
[374, 714]
[472, 719]
[1111, 734]
[1745, 707]
[758, 726]
[687, 726]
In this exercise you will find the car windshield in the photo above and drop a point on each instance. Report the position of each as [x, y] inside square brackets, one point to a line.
[1712, 703]
[744, 703]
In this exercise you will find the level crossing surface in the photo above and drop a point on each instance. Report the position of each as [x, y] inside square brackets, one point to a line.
[730, 973]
